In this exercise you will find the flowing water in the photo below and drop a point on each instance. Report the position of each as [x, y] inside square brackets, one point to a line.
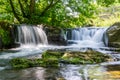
[31, 35]
[87, 37]
[33, 42]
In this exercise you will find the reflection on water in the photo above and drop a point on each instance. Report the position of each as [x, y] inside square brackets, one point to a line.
[35, 73]
[65, 72]
[113, 71]
[108, 72]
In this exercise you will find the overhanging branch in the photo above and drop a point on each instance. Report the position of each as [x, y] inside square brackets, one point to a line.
[52, 3]
[22, 9]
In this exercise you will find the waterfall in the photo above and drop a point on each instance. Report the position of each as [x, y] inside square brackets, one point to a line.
[27, 34]
[87, 37]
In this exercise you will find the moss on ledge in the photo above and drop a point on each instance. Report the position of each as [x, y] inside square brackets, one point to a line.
[52, 58]
[88, 57]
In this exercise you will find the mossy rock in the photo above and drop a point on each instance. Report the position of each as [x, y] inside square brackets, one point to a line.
[20, 63]
[52, 58]
[113, 33]
[51, 53]
[85, 57]
[50, 62]
[76, 57]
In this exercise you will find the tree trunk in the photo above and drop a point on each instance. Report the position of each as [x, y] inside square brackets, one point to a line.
[32, 7]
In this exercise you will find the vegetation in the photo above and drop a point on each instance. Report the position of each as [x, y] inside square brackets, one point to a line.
[107, 15]
[52, 58]
[5, 33]
[60, 13]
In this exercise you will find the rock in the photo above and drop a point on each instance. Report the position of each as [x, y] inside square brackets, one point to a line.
[52, 58]
[88, 57]
[113, 33]
[0, 43]
[55, 36]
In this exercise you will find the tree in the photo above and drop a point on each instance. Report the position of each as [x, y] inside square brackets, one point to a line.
[5, 13]
[66, 13]
[30, 10]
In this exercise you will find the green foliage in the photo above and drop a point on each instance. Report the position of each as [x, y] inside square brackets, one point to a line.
[72, 13]
[5, 13]
[5, 33]
[107, 15]
[59, 13]
[107, 2]
[54, 14]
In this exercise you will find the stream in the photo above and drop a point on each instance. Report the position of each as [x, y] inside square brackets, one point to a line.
[103, 71]
[78, 39]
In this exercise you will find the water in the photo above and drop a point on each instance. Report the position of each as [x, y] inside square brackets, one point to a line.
[31, 35]
[34, 41]
[87, 37]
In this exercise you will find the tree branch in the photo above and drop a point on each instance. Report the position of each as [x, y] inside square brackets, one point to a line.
[49, 6]
[13, 10]
[22, 9]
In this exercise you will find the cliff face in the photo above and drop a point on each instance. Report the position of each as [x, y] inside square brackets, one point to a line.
[113, 33]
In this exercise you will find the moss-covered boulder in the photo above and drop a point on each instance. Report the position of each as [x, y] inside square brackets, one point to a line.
[49, 59]
[55, 35]
[19, 63]
[113, 33]
[52, 58]
[75, 57]
[87, 57]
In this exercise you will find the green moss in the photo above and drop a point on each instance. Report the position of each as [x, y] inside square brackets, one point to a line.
[88, 57]
[52, 59]
[50, 62]
[20, 63]
[51, 53]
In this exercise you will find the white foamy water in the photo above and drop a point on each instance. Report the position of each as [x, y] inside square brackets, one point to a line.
[31, 35]
[87, 37]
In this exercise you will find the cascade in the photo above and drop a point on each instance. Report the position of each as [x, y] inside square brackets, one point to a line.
[27, 34]
[87, 37]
